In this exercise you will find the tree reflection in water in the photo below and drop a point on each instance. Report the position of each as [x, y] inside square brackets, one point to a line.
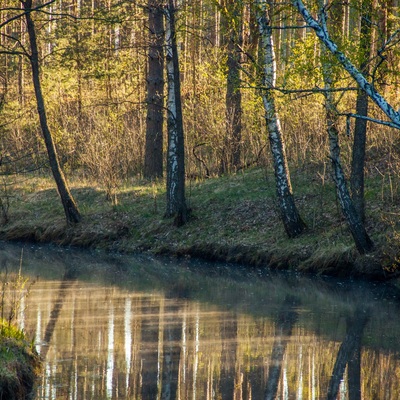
[283, 331]
[217, 337]
[350, 354]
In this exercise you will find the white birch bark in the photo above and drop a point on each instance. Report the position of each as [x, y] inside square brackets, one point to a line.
[321, 31]
[289, 214]
[363, 242]
[176, 203]
[172, 129]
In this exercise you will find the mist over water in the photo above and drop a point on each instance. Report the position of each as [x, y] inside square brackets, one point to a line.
[133, 327]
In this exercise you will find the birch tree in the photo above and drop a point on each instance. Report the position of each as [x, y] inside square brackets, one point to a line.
[320, 28]
[176, 202]
[363, 242]
[290, 216]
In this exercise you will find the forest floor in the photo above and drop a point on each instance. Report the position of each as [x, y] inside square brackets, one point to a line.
[233, 218]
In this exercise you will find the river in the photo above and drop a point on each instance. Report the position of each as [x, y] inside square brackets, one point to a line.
[132, 327]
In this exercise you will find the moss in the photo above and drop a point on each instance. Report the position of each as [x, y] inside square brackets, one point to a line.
[19, 365]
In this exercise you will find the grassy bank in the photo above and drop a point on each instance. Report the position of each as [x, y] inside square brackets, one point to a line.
[234, 218]
[19, 364]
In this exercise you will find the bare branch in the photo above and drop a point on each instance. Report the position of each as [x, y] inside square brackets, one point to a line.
[376, 121]
[15, 17]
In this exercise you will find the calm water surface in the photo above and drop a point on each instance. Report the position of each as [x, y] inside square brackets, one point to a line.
[118, 327]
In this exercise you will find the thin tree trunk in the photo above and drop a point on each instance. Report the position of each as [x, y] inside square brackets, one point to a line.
[70, 208]
[176, 202]
[363, 242]
[290, 216]
[360, 129]
[233, 98]
[153, 161]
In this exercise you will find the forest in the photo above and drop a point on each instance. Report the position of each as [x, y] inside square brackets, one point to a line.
[294, 102]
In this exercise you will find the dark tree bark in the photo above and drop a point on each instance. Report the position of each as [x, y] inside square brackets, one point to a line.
[360, 129]
[70, 208]
[233, 99]
[176, 202]
[153, 161]
[290, 216]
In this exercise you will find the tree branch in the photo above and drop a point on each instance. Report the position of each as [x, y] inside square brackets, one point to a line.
[322, 33]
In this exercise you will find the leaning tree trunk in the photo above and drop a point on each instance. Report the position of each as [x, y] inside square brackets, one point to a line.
[176, 202]
[362, 241]
[321, 31]
[360, 129]
[70, 208]
[291, 219]
[153, 159]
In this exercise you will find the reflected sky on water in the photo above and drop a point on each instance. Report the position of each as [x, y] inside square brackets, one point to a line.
[120, 327]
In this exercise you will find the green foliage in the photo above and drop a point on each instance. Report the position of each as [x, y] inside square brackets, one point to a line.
[8, 330]
[303, 64]
[14, 288]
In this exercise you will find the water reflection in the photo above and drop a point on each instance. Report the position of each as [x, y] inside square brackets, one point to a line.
[126, 328]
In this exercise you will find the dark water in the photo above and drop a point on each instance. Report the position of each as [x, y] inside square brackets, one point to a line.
[119, 327]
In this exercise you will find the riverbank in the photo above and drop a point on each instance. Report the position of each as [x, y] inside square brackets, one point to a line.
[19, 365]
[233, 218]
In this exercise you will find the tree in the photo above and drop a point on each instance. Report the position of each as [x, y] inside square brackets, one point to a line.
[360, 129]
[321, 31]
[363, 242]
[176, 202]
[233, 29]
[153, 162]
[290, 216]
[70, 208]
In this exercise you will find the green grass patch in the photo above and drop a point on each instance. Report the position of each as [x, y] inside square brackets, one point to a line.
[19, 364]
[233, 218]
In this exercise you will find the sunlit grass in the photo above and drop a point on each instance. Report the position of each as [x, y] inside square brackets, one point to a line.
[236, 212]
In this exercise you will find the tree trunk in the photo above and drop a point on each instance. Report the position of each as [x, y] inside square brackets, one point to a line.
[363, 242]
[70, 208]
[322, 33]
[176, 202]
[290, 216]
[233, 98]
[360, 129]
[153, 161]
